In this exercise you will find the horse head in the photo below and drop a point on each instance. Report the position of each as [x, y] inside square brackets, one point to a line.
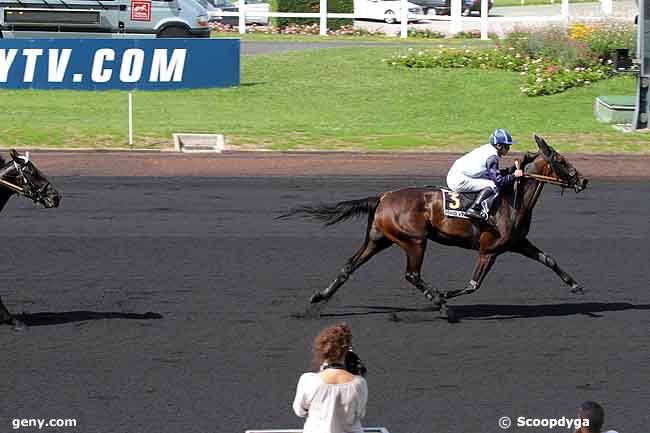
[549, 162]
[22, 173]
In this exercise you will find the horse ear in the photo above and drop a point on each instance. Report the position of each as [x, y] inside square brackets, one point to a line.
[529, 157]
[542, 145]
[14, 155]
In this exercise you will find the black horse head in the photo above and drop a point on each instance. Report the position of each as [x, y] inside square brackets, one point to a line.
[23, 177]
[566, 173]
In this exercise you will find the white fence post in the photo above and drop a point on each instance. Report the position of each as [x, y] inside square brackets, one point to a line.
[323, 17]
[404, 18]
[565, 10]
[607, 7]
[131, 118]
[242, 16]
[455, 25]
[484, 20]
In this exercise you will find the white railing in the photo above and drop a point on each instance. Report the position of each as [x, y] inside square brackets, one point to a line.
[455, 19]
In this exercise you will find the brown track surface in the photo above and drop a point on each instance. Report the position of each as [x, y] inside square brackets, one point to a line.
[245, 164]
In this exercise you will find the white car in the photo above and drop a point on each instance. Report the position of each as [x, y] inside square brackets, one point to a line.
[385, 10]
[253, 6]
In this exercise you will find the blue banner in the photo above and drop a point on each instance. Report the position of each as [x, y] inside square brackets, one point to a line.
[103, 64]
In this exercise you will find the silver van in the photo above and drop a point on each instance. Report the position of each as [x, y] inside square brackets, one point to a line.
[103, 18]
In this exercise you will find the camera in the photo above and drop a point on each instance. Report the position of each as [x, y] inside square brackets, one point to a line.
[354, 365]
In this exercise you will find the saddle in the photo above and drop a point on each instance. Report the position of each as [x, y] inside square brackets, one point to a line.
[456, 203]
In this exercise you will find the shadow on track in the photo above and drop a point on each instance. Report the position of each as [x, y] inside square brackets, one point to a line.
[48, 318]
[495, 312]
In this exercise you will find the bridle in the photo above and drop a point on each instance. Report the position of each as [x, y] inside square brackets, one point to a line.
[28, 189]
[565, 178]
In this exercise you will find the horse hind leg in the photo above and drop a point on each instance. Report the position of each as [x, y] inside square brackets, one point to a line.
[414, 256]
[483, 266]
[374, 243]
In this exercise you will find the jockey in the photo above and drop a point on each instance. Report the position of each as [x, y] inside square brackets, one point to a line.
[479, 171]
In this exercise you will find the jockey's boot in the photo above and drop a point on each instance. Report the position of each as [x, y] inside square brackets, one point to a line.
[477, 210]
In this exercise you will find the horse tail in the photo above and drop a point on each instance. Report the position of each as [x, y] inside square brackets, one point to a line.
[335, 213]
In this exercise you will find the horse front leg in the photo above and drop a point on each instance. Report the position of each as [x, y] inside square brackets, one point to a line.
[526, 248]
[483, 266]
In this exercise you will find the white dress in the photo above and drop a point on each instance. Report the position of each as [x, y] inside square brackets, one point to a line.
[331, 408]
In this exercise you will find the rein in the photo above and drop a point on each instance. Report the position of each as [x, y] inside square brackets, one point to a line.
[541, 179]
[13, 187]
[547, 179]
[25, 192]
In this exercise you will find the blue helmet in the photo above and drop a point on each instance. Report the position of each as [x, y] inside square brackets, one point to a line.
[501, 136]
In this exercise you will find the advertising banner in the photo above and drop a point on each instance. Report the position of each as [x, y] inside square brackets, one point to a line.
[104, 64]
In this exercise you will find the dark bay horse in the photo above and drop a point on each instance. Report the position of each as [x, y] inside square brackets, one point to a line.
[20, 176]
[410, 217]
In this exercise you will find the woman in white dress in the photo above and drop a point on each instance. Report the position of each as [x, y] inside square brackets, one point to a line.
[333, 400]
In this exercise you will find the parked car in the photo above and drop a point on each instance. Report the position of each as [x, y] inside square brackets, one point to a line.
[470, 6]
[253, 6]
[387, 10]
[443, 7]
[214, 9]
[433, 7]
[35, 19]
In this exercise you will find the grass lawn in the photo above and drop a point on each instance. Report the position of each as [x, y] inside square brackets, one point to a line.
[339, 98]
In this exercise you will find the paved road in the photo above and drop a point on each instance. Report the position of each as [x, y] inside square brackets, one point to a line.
[93, 277]
[622, 10]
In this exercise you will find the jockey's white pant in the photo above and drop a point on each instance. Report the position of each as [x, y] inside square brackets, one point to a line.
[458, 182]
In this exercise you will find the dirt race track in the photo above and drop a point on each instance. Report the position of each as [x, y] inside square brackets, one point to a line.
[164, 303]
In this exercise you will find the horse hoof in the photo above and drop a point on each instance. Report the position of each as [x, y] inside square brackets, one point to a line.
[18, 326]
[316, 297]
[313, 311]
[449, 294]
[578, 290]
[437, 303]
[450, 314]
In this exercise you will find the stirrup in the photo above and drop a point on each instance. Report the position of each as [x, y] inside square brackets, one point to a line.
[475, 214]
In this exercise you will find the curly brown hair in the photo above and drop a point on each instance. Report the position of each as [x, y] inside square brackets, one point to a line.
[332, 343]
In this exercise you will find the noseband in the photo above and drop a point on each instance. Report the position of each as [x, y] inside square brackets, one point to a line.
[28, 189]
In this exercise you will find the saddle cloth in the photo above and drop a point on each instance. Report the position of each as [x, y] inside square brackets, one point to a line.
[456, 203]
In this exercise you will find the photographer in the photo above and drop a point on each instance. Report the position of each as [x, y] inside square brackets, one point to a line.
[333, 399]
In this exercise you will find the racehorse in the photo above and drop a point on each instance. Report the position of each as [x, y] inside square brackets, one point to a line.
[410, 217]
[20, 176]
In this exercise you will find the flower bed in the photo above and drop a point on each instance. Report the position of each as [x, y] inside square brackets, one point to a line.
[297, 29]
[552, 59]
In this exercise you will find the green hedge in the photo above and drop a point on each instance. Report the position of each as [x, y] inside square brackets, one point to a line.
[312, 6]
